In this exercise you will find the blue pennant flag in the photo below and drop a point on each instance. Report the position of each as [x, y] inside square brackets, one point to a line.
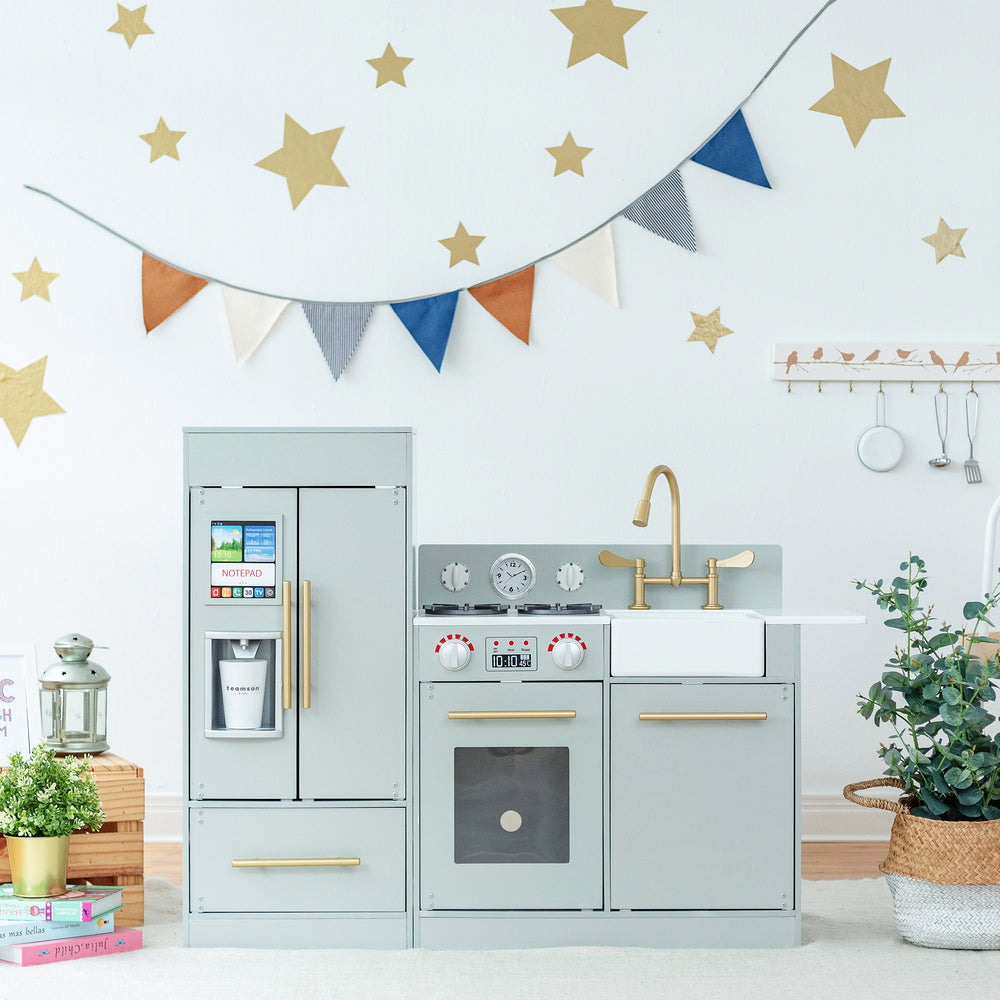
[337, 327]
[429, 322]
[664, 210]
[732, 151]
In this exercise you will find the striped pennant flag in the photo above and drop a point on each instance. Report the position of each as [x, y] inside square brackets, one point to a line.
[732, 151]
[664, 210]
[429, 322]
[251, 318]
[337, 327]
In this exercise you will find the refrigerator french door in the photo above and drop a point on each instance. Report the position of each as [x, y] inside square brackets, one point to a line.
[309, 585]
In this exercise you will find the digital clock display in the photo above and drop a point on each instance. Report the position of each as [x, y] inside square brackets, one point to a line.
[508, 661]
[511, 653]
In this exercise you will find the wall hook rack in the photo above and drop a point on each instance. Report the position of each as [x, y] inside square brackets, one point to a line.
[834, 361]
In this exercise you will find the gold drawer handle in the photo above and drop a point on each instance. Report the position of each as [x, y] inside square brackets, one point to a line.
[702, 716]
[567, 714]
[295, 862]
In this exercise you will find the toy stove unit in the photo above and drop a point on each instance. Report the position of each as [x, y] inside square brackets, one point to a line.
[511, 724]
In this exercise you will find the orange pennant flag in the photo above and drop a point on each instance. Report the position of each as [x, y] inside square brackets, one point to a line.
[509, 300]
[165, 290]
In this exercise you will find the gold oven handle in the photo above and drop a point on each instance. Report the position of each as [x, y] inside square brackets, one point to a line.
[295, 862]
[306, 644]
[702, 716]
[286, 644]
[554, 714]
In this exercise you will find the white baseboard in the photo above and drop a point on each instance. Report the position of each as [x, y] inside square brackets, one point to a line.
[824, 818]
[164, 823]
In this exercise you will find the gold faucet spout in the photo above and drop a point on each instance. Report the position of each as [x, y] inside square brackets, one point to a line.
[641, 518]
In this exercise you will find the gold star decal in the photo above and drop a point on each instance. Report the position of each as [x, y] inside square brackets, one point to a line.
[35, 281]
[162, 142]
[305, 160]
[946, 241]
[858, 96]
[22, 398]
[462, 246]
[389, 67]
[569, 156]
[598, 29]
[709, 329]
[131, 24]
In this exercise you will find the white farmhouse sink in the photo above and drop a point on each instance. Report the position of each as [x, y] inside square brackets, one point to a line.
[665, 643]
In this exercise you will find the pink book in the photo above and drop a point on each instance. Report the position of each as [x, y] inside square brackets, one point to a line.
[63, 949]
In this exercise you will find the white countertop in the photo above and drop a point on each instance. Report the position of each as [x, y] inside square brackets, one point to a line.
[811, 616]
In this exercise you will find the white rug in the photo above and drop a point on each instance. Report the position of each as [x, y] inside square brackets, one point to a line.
[850, 950]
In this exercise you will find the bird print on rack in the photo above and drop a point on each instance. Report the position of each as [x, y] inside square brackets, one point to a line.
[873, 356]
[845, 357]
[818, 354]
[903, 354]
[792, 359]
[938, 360]
[962, 362]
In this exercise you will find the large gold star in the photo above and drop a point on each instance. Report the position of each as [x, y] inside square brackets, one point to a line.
[858, 96]
[35, 281]
[131, 24]
[598, 30]
[569, 156]
[389, 67]
[946, 241]
[462, 246]
[305, 160]
[162, 142]
[22, 398]
[709, 329]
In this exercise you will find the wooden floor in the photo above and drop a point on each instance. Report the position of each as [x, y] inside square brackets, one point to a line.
[819, 861]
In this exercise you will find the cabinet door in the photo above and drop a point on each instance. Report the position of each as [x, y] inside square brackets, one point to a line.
[352, 550]
[702, 812]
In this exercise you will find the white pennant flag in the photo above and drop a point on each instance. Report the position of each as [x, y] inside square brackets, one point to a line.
[592, 263]
[251, 318]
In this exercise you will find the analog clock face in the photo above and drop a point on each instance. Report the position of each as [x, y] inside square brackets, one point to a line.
[512, 575]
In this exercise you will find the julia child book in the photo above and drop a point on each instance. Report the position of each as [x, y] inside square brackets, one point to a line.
[25, 931]
[64, 949]
[79, 903]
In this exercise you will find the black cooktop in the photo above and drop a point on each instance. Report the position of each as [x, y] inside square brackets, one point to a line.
[558, 609]
[465, 609]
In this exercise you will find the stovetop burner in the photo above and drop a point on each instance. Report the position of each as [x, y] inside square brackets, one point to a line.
[465, 609]
[558, 609]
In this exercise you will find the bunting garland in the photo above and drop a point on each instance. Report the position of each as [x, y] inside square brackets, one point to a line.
[509, 300]
[165, 290]
[663, 210]
[591, 262]
[251, 318]
[337, 328]
[732, 151]
[429, 322]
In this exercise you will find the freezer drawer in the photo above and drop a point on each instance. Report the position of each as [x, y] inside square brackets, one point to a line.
[263, 841]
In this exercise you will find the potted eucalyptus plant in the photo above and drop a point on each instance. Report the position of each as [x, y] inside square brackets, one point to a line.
[936, 694]
[44, 799]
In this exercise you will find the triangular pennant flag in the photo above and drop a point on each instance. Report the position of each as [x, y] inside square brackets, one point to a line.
[732, 151]
[591, 261]
[337, 327]
[509, 300]
[251, 317]
[429, 322]
[664, 210]
[165, 290]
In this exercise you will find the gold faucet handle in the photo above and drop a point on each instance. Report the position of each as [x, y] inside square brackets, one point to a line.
[740, 561]
[607, 558]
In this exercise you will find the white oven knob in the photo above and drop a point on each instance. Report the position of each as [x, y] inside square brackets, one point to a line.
[567, 652]
[454, 654]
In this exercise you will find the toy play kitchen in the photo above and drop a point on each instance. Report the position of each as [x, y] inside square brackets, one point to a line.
[583, 744]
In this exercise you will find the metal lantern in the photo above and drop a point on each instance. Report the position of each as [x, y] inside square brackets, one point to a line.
[74, 698]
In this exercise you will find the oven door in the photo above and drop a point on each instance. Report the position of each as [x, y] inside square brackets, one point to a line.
[511, 806]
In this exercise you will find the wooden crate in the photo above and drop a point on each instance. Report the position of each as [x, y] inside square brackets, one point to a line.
[113, 854]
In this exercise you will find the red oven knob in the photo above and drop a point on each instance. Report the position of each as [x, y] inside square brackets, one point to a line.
[454, 653]
[567, 651]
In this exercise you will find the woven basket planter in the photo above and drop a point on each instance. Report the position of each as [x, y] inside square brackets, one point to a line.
[944, 876]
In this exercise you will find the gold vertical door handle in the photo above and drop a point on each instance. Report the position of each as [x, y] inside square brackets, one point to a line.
[306, 644]
[286, 644]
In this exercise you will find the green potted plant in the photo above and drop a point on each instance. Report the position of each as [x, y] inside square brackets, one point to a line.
[936, 693]
[44, 799]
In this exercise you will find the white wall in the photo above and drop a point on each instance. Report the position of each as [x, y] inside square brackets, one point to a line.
[92, 500]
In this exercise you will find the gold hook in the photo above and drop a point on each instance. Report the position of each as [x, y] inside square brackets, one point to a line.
[941, 386]
[850, 386]
[789, 389]
[972, 387]
[911, 385]
[880, 385]
[819, 386]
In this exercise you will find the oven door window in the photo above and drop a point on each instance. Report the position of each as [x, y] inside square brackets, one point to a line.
[511, 805]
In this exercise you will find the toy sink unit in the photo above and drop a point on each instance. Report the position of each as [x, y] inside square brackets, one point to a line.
[676, 643]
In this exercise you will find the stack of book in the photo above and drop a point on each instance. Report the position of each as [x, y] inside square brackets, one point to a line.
[80, 923]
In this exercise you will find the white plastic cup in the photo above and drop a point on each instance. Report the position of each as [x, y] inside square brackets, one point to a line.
[243, 684]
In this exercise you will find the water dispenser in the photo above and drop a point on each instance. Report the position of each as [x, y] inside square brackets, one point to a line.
[243, 685]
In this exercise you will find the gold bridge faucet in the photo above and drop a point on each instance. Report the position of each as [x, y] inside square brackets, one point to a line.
[676, 579]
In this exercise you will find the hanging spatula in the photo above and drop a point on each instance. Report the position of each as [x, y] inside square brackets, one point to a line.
[972, 471]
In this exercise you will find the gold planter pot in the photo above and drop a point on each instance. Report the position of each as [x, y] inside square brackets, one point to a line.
[38, 865]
